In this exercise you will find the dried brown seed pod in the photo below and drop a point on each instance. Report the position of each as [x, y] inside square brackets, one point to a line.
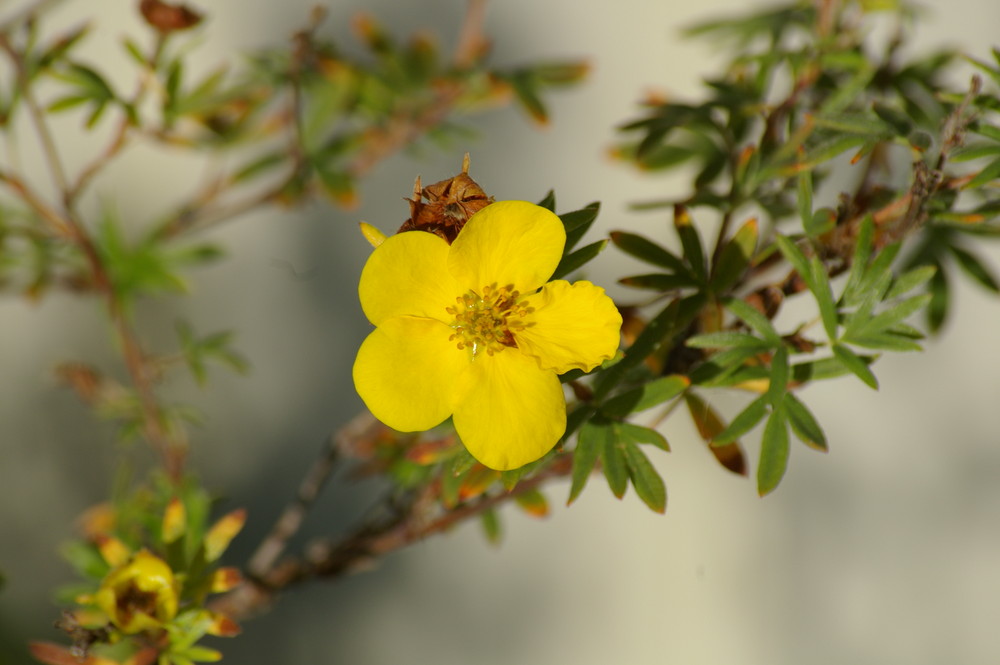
[444, 207]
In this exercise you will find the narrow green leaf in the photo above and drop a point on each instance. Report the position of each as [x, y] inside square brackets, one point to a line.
[937, 310]
[855, 364]
[725, 340]
[734, 258]
[804, 424]
[975, 268]
[647, 482]
[778, 382]
[888, 318]
[640, 434]
[774, 449]
[859, 260]
[691, 242]
[589, 444]
[578, 259]
[805, 191]
[648, 251]
[910, 280]
[645, 396]
[549, 202]
[744, 421]
[819, 370]
[659, 281]
[755, 319]
[989, 173]
[886, 341]
[615, 469]
[819, 284]
[577, 223]
[491, 526]
[794, 255]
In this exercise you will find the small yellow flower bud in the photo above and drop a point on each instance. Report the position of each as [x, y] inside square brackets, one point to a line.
[222, 532]
[140, 594]
[174, 520]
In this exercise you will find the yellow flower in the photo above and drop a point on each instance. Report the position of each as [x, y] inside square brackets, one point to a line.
[140, 594]
[473, 331]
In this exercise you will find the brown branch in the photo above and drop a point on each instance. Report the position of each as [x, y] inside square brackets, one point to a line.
[405, 525]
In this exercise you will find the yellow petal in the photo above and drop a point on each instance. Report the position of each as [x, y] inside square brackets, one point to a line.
[407, 275]
[512, 412]
[508, 242]
[405, 372]
[372, 234]
[574, 326]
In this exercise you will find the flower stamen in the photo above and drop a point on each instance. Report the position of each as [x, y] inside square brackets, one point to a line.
[488, 321]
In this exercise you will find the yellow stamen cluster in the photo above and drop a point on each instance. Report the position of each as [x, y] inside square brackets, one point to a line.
[488, 321]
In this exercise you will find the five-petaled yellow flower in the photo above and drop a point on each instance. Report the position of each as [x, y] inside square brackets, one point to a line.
[473, 331]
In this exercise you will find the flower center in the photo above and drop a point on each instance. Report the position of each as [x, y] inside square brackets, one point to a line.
[488, 321]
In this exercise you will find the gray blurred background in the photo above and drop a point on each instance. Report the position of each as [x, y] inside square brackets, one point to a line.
[885, 550]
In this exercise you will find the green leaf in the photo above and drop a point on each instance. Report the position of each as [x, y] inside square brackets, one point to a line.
[525, 87]
[937, 310]
[744, 421]
[578, 259]
[774, 450]
[589, 444]
[640, 434]
[645, 396]
[647, 482]
[855, 364]
[974, 267]
[549, 202]
[989, 173]
[691, 242]
[755, 319]
[819, 284]
[648, 251]
[778, 382]
[577, 223]
[734, 258]
[725, 340]
[678, 314]
[888, 318]
[613, 461]
[804, 424]
[710, 425]
[910, 280]
[805, 191]
[661, 282]
[491, 526]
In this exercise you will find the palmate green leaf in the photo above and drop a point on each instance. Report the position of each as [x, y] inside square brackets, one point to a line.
[729, 367]
[774, 450]
[646, 250]
[882, 321]
[578, 259]
[646, 396]
[589, 444]
[855, 364]
[804, 424]
[647, 482]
